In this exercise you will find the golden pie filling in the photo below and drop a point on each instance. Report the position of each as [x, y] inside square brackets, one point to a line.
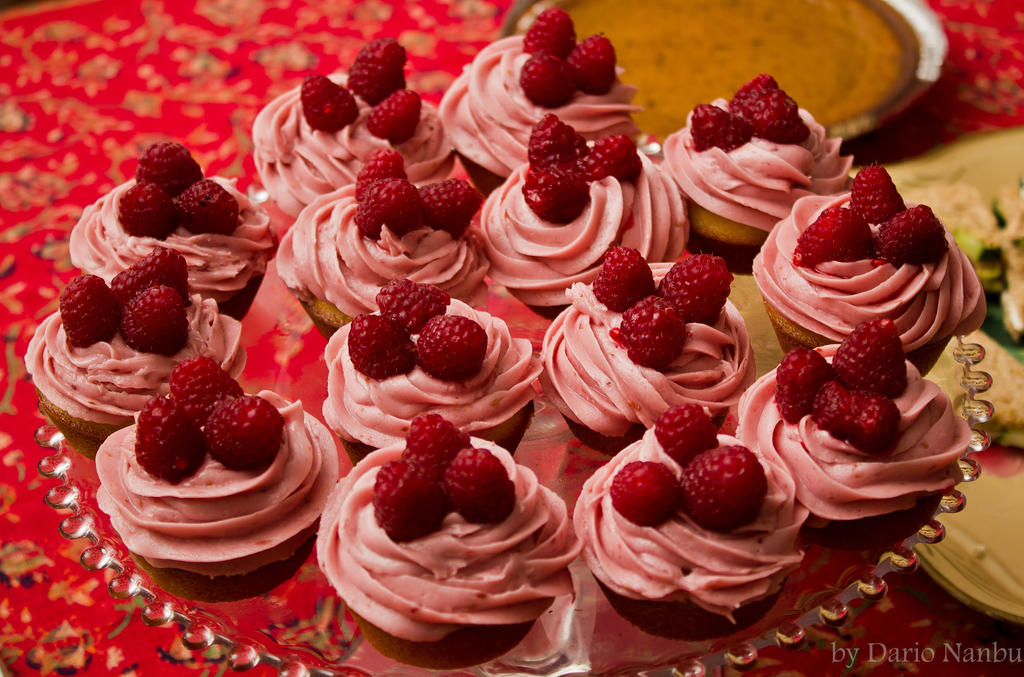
[836, 58]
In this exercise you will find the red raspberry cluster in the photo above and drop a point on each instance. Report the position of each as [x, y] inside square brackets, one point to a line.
[852, 397]
[559, 67]
[439, 472]
[720, 487]
[448, 347]
[377, 76]
[146, 303]
[759, 108]
[653, 319]
[844, 233]
[561, 166]
[205, 412]
[387, 198]
[170, 191]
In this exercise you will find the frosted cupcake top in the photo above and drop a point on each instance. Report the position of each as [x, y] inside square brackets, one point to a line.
[463, 574]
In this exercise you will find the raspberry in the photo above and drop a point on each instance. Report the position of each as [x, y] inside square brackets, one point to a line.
[384, 163]
[914, 235]
[394, 203]
[762, 81]
[154, 321]
[89, 311]
[378, 70]
[168, 444]
[548, 81]
[594, 63]
[395, 118]
[724, 488]
[450, 205]
[379, 348]
[205, 207]
[407, 501]
[614, 156]
[684, 431]
[624, 279]
[168, 165]
[556, 195]
[244, 433]
[713, 127]
[409, 304]
[553, 143]
[698, 287]
[873, 195]
[432, 442]
[552, 32]
[451, 347]
[871, 358]
[652, 332]
[867, 420]
[198, 385]
[162, 266]
[646, 493]
[798, 378]
[326, 105]
[836, 235]
[145, 210]
[773, 115]
[478, 487]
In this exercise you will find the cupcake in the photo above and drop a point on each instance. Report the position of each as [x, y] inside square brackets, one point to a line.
[424, 353]
[621, 355]
[97, 361]
[548, 226]
[871, 444]
[217, 495]
[838, 261]
[514, 82]
[314, 139]
[348, 244]
[690, 534]
[226, 238]
[447, 564]
[743, 163]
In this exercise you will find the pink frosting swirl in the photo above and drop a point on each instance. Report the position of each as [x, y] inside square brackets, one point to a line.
[461, 575]
[839, 482]
[679, 560]
[757, 183]
[219, 266]
[489, 117]
[325, 256]
[927, 301]
[221, 521]
[109, 381]
[590, 379]
[377, 412]
[538, 260]
[297, 163]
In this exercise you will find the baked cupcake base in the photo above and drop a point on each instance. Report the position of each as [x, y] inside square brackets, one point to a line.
[326, 317]
[507, 434]
[83, 436]
[484, 180]
[869, 533]
[735, 242]
[238, 305]
[229, 588]
[468, 646]
[605, 444]
[792, 336]
[685, 620]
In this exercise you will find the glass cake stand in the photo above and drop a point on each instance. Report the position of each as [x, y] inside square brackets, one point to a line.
[302, 628]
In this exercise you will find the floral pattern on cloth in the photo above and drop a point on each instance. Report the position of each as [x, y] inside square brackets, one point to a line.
[86, 84]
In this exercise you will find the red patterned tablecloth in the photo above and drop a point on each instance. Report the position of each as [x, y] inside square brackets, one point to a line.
[85, 84]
